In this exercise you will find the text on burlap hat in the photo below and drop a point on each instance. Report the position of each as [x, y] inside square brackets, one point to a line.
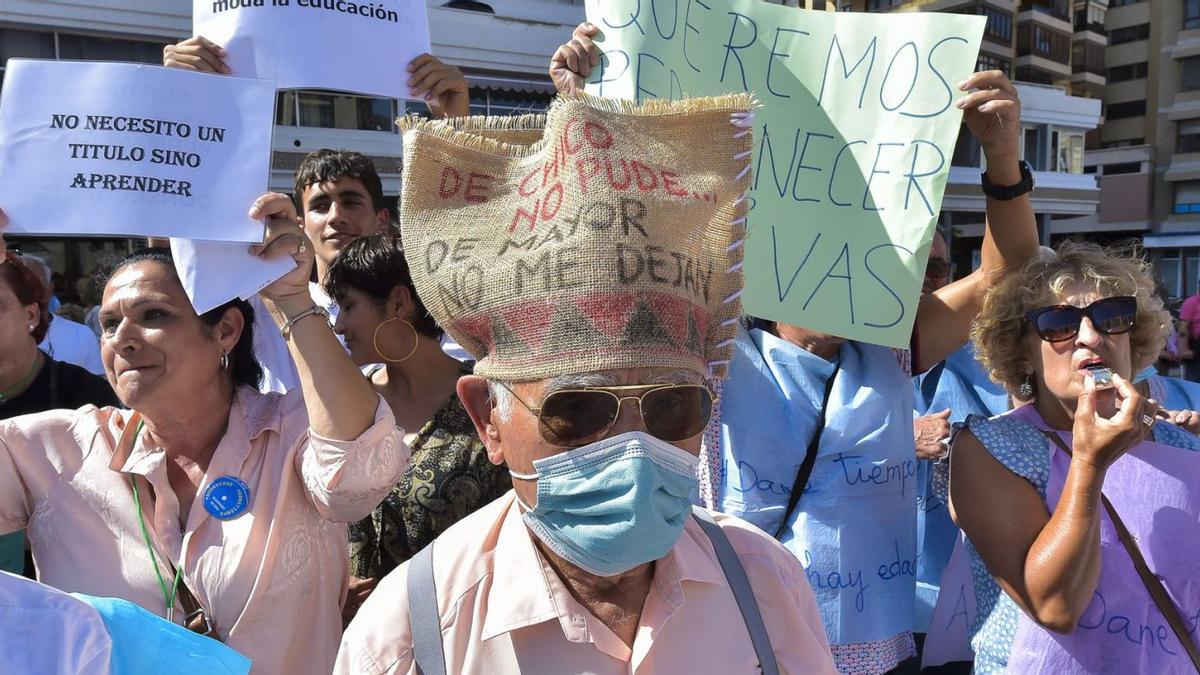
[601, 235]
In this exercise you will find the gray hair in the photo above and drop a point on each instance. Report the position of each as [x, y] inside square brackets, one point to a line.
[502, 398]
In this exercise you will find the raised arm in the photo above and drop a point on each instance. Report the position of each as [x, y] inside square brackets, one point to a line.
[341, 403]
[1048, 564]
[573, 61]
[441, 85]
[993, 115]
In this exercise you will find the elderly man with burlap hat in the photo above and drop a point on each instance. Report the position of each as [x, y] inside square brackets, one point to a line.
[591, 260]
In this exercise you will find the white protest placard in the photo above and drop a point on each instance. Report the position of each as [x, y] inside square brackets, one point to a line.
[361, 47]
[213, 273]
[92, 148]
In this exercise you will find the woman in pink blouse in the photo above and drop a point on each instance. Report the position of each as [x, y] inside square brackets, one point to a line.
[206, 486]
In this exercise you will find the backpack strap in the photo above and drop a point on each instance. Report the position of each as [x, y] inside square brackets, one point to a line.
[739, 584]
[424, 619]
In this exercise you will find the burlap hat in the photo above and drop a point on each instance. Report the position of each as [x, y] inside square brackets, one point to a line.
[601, 235]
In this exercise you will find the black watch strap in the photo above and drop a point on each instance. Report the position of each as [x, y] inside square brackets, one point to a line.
[1007, 192]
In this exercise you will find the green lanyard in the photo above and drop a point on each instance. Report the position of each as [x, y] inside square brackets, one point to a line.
[168, 598]
[19, 388]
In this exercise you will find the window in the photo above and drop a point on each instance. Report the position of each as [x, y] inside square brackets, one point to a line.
[1031, 148]
[1068, 156]
[1187, 197]
[1120, 36]
[1191, 14]
[1037, 39]
[1168, 272]
[50, 45]
[1122, 3]
[1041, 39]
[1059, 8]
[1122, 168]
[999, 23]
[992, 62]
[1187, 136]
[1087, 57]
[1090, 18]
[327, 110]
[24, 44]
[1121, 111]
[1035, 75]
[1189, 73]
[88, 48]
[1132, 71]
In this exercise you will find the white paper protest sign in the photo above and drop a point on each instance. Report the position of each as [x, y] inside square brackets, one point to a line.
[213, 273]
[92, 148]
[361, 47]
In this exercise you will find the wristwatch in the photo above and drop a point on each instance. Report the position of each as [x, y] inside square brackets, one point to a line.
[1007, 192]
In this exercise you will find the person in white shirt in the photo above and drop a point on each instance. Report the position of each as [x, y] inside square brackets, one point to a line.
[48, 631]
[67, 340]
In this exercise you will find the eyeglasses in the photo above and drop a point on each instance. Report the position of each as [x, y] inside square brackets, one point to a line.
[570, 418]
[1110, 316]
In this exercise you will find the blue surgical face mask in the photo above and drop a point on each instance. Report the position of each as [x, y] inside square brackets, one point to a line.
[612, 505]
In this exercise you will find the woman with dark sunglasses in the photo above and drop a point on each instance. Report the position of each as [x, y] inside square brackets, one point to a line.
[1060, 588]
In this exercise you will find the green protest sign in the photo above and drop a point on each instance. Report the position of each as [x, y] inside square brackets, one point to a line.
[852, 143]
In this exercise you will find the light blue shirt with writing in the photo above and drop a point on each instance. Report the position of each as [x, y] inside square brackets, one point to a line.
[855, 527]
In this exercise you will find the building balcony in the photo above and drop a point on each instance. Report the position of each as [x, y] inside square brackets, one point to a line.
[1049, 20]
[1089, 81]
[1059, 9]
[1090, 27]
[1097, 69]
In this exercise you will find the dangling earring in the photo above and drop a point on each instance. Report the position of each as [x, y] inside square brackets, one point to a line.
[1025, 391]
[224, 361]
[375, 340]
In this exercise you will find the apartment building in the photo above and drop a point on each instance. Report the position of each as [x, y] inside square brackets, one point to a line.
[1147, 154]
[502, 46]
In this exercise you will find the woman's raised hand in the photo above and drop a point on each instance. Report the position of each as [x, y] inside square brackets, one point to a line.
[1097, 441]
[285, 236]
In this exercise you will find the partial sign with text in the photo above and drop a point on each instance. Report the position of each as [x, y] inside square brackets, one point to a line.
[133, 150]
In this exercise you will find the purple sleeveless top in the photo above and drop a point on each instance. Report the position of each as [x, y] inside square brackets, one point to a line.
[1155, 488]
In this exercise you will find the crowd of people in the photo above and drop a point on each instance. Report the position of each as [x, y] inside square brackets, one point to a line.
[357, 472]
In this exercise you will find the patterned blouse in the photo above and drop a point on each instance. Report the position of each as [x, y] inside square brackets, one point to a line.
[448, 478]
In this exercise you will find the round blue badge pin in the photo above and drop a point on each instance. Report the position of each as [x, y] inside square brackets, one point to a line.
[227, 498]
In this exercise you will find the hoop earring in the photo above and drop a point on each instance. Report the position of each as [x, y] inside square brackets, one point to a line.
[224, 361]
[375, 340]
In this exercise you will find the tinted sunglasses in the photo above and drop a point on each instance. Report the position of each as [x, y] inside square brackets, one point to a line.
[1058, 323]
[570, 418]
